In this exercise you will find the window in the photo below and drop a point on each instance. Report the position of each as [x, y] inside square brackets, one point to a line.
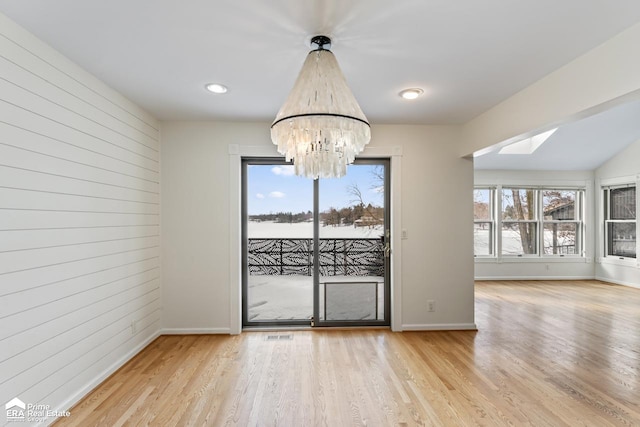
[620, 221]
[561, 222]
[483, 222]
[528, 222]
[519, 222]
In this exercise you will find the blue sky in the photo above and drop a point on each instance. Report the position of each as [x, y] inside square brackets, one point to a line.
[274, 188]
[481, 195]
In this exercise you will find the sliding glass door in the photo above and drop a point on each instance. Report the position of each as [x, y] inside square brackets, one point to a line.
[315, 252]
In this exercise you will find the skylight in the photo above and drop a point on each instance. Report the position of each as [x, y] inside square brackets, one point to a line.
[527, 146]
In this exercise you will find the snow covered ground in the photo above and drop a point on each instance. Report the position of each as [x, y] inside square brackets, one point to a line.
[511, 242]
[304, 230]
[291, 298]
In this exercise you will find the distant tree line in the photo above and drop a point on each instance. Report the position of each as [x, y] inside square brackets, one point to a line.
[333, 216]
[351, 214]
[283, 217]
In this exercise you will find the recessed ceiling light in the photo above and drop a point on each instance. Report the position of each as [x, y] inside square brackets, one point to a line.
[216, 88]
[412, 93]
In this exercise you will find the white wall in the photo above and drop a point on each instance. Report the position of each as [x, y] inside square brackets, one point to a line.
[626, 164]
[437, 256]
[199, 286]
[512, 268]
[195, 215]
[79, 225]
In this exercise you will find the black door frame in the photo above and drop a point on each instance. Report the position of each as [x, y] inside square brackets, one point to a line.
[315, 321]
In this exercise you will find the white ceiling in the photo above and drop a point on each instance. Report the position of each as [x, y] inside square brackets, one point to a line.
[467, 55]
[581, 145]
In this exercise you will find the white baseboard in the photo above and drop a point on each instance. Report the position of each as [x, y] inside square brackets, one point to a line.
[195, 331]
[618, 282]
[535, 278]
[68, 404]
[441, 327]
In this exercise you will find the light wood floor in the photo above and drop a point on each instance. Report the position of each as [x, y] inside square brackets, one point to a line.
[546, 354]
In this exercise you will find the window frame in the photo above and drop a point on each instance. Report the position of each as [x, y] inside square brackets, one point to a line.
[496, 223]
[605, 191]
[491, 221]
[535, 221]
[578, 220]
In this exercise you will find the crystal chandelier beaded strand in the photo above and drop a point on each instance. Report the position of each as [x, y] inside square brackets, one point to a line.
[320, 126]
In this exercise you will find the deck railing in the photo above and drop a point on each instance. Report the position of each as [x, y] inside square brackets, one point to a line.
[337, 257]
[560, 249]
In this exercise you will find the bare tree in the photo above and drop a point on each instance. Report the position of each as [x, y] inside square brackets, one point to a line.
[527, 230]
[374, 214]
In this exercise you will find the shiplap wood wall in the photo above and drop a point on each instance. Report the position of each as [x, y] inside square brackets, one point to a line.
[79, 225]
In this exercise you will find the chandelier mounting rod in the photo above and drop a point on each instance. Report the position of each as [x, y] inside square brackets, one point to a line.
[321, 42]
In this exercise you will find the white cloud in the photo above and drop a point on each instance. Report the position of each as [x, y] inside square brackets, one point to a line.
[283, 170]
[259, 196]
[378, 190]
[277, 194]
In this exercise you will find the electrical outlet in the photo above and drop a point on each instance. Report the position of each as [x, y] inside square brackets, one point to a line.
[431, 305]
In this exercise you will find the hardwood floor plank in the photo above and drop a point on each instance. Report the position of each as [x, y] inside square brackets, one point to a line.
[547, 353]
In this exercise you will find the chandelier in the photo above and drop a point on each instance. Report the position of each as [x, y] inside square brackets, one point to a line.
[320, 126]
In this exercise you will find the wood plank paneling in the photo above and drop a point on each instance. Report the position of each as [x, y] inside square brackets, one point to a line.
[42, 164]
[20, 240]
[33, 83]
[12, 219]
[23, 280]
[545, 354]
[39, 125]
[71, 152]
[28, 53]
[72, 288]
[19, 98]
[41, 258]
[21, 199]
[79, 225]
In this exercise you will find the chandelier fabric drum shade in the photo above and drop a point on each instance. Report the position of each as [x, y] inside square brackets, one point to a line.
[320, 127]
